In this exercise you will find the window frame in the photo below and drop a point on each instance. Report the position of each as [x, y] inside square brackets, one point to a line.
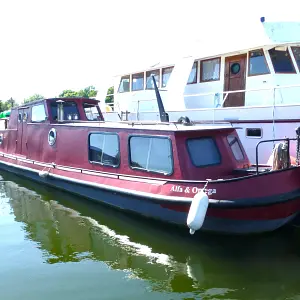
[199, 138]
[97, 107]
[150, 136]
[162, 75]
[157, 83]
[298, 65]
[197, 70]
[201, 69]
[77, 105]
[269, 72]
[236, 140]
[289, 54]
[121, 82]
[46, 115]
[131, 84]
[100, 163]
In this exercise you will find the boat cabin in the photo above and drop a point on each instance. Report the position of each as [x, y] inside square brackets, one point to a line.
[72, 133]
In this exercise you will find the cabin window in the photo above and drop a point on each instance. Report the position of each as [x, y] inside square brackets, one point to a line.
[235, 147]
[104, 149]
[281, 61]
[296, 52]
[210, 70]
[149, 80]
[70, 110]
[38, 113]
[151, 154]
[137, 82]
[193, 75]
[257, 63]
[91, 112]
[124, 84]
[203, 152]
[254, 132]
[166, 73]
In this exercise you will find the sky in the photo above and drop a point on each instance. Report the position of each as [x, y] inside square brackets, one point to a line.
[51, 45]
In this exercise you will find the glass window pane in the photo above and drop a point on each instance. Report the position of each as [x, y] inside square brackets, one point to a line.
[210, 69]
[257, 63]
[149, 79]
[38, 113]
[137, 82]
[296, 52]
[235, 147]
[193, 74]
[124, 84]
[281, 61]
[70, 110]
[203, 152]
[151, 154]
[166, 73]
[104, 149]
[91, 112]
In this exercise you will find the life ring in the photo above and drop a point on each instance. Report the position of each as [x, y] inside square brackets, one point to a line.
[52, 136]
[185, 121]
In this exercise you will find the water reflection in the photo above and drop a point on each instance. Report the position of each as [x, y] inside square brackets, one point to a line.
[69, 229]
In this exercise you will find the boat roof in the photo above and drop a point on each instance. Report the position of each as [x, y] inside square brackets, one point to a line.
[152, 126]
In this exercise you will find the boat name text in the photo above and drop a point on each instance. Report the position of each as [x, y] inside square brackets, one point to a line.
[189, 189]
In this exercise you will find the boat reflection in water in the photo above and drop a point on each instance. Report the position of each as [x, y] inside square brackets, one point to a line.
[70, 229]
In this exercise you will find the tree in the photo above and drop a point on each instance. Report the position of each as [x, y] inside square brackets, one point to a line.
[87, 92]
[34, 98]
[68, 94]
[110, 97]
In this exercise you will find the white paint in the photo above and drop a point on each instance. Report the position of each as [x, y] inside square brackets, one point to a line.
[197, 211]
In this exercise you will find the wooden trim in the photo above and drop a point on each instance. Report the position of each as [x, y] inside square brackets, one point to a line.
[197, 67]
[251, 75]
[201, 68]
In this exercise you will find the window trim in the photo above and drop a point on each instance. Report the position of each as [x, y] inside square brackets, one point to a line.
[197, 71]
[150, 136]
[201, 68]
[162, 74]
[288, 51]
[132, 90]
[46, 115]
[100, 163]
[292, 48]
[253, 137]
[199, 138]
[157, 83]
[240, 146]
[252, 75]
[94, 106]
[129, 84]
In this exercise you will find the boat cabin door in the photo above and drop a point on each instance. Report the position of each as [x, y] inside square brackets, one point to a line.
[235, 79]
[22, 131]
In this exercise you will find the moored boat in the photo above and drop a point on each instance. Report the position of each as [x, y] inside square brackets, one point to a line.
[155, 169]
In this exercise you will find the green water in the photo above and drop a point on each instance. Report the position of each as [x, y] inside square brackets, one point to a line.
[54, 245]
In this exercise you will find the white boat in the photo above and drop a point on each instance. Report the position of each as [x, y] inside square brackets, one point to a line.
[252, 82]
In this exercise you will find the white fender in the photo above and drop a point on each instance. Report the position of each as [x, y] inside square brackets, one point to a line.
[43, 174]
[197, 211]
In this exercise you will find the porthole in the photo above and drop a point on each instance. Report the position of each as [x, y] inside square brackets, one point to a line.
[235, 68]
[52, 136]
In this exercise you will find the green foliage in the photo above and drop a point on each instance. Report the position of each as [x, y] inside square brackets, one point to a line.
[110, 98]
[87, 92]
[8, 104]
[33, 98]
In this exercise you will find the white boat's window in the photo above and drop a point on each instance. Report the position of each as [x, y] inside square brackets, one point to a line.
[151, 154]
[281, 60]
[70, 111]
[296, 52]
[193, 75]
[104, 149]
[91, 112]
[257, 63]
[254, 132]
[149, 80]
[38, 113]
[124, 84]
[203, 152]
[235, 147]
[166, 73]
[210, 70]
[137, 82]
